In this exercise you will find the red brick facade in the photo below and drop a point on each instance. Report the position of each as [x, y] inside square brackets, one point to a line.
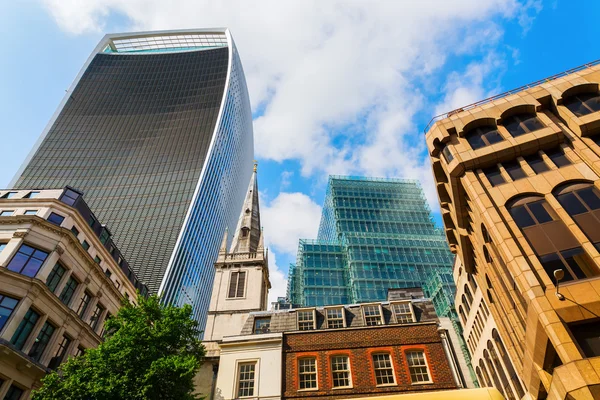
[359, 344]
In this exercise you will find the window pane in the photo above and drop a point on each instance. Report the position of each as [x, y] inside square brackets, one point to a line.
[55, 276]
[552, 262]
[494, 176]
[521, 216]
[56, 219]
[447, 154]
[262, 325]
[514, 170]
[417, 366]
[558, 157]
[592, 100]
[41, 342]
[307, 371]
[576, 105]
[531, 122]
[384, 375]
[537, 163]
[491, 135]
[590, 197]
[246, 380]
[571, 204]
[14, 393]
[513, 126]
[539, 211]
[340, 370]
[579, 263]
[7, 305]
[24, 329]
[475, 139]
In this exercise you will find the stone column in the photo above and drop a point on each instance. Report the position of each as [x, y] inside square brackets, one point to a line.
[50, 262]
[12, 246]
[17, 315]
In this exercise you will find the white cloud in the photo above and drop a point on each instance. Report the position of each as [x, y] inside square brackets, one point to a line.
[287, 218]
[277, 278]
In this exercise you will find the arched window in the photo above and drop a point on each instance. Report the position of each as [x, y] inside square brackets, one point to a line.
[486, 254]
[485, 234]
[521, 124]
[508, 364]
[483, 136]
[463, 317]
[553, 243]
[486, 376]
[582, 202]
[468, 293]
[493, 373]
[583, 103]
[500, 370]
[466, 304]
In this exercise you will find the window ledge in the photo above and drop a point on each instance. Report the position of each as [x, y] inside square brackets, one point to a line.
[342, 388]
[387, 385]
[422, 383]
[308, 390]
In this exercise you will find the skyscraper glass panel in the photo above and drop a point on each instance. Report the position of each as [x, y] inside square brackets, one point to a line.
[156, 130]
[382, 235]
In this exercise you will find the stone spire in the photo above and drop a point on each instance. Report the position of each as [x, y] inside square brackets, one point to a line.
[248, 233]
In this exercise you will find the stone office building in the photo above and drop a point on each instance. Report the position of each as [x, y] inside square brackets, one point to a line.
[61, 277]
[518, 180]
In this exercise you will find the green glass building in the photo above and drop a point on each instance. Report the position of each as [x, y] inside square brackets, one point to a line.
[375, 234]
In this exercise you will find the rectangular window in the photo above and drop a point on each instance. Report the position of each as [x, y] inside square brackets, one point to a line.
[372, 315]
[91, 221]
[7, 306]
[10, 195]
[24, 329]
[7, 213]
[262, 325]
[69, 197]
[68, 290]
[83, 305]
[403, 312]
[96, 316]
[340, 371]
[103, 331]
[41, 342]
[97, 259]
[514, 170]
[85, 245]
[80, 351]
[384, 373]
[55, 276]
[75, 231]
[30, 212]
[56, 219]
[245, 386]
[27, 261]
[417, 365]
[558, 157]
[61, 352]
[494, 176]
[447, 154]
[536, 162]
[335, 318]
[14, 393]
[306, 320]
[237, 283]
[31, 195]
[2, 246]
[307, 373]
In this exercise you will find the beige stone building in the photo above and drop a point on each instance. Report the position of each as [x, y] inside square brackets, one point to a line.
[61, 277]
[518, 183]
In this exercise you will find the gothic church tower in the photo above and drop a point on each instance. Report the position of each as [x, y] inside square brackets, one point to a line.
[241, 281]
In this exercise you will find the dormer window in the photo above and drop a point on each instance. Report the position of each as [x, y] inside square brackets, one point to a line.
[306, 320]
[483, 136]
[403, 312]
[583, 104]
[373, 314]
[262, 325]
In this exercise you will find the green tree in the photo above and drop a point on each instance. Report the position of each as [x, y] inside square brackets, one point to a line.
[151, 351]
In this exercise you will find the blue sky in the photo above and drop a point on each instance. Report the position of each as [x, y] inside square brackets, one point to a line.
[340, 87]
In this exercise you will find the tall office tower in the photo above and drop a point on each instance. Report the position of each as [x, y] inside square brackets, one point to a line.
[518, 180]
[375, 234]
[156, 130]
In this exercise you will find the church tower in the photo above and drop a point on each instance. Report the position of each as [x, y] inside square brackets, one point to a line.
[241, 283]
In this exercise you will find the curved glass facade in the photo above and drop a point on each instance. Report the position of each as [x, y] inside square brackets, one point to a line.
[157, 133]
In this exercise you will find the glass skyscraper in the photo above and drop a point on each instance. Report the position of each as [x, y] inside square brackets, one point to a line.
[375, 234]
[156, 130]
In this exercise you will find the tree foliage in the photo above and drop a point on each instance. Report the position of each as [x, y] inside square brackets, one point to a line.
[151, 351]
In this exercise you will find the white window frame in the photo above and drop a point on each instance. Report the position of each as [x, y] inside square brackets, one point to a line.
[316, 373]
[236, 387]
[412, 311]
[426, 366]
[333, 371]
[387, 353]
[314, 318]
[236, 297]
[378, 305]
[343, 316]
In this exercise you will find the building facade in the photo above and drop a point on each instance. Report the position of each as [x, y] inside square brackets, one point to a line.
[518, 184]
[157, 131]
[374, 234]
[61, 277]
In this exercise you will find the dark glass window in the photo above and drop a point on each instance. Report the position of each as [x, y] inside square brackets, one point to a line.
[587, 336]
[97, 259]
[447, 154]
[574, 262]
[237, 284]
[84, 303]
[524, 214]
[56, 219]
[514, 170]
[262, 325]
[536, 162]
[7, 306]
[85, 245]
[571, 203]
[590, 197]
[55, 276]
[521, 124]
[69, 197]
[24, 329]
[104, 236]
[61, 352]
[14, 393]
[483, 136]
[27, 261]
[92, 221]
[539, 211]
[558, 157]
[583, 104]
[494, 176]
[96, 316]
[75, 230]
[80, 351]
[10, 195]
[68, 290]
[41, 342]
